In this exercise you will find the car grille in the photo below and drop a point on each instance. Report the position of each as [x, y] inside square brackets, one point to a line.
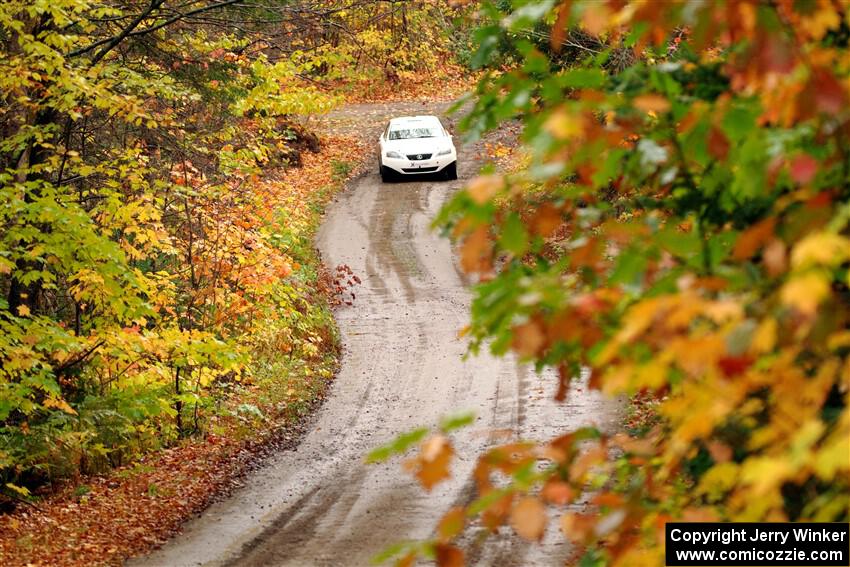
[418, 169]
[415, 157]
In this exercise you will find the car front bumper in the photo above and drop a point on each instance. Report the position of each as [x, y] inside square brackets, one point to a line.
[417, 167]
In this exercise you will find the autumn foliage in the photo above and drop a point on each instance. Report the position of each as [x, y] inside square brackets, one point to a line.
[681, 230]
[160, 187]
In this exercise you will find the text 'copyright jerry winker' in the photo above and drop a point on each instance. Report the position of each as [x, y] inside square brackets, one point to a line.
[762, 544]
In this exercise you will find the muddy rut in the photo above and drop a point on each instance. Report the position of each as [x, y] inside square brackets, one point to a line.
[402, 367]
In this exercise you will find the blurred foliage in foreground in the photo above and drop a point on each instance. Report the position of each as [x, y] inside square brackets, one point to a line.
[680, 229]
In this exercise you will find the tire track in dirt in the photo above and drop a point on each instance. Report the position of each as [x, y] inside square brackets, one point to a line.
[402, 367]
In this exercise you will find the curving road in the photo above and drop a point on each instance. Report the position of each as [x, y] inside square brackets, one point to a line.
[319, 504]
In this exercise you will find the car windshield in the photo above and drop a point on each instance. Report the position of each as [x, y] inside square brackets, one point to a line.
[414, 132]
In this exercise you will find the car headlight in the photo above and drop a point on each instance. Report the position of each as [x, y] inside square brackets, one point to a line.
[393, 154]
[444, 152]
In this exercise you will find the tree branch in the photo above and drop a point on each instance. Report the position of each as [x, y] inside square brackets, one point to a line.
[131, 31]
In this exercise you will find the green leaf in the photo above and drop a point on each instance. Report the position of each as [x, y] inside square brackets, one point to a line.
[453, 422]
[631, 265]
[683, 245]
[514, 237]
[582, 78]
[399, 445]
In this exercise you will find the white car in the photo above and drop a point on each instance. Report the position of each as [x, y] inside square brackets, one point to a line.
[415, 145]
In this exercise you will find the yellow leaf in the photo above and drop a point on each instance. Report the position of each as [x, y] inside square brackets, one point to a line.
[765, 474]
[564, 125]
[822, 248]
[806, 292]
[821, 20]
[832, 457]
[806, 436]
[60, 404]
[23, 310]
[838, 340]
[718, 480]
[651, 375]
[22, 490]
[764, 338]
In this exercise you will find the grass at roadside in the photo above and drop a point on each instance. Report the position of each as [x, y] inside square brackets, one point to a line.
[103, 519]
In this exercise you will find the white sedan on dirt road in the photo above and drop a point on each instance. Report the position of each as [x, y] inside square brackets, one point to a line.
[415, 145]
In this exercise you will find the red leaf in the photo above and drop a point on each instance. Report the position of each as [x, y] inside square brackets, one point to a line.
[803, 168]
[734, 365]
[829, 96]
[718, 144]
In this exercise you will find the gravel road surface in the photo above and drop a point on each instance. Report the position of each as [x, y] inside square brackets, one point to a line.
[402, 367]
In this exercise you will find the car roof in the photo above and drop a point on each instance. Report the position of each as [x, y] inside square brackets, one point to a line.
[428, 120]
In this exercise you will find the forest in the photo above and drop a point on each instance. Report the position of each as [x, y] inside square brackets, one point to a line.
[672, 222]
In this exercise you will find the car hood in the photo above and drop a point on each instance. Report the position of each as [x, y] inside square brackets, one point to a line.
[418, 145]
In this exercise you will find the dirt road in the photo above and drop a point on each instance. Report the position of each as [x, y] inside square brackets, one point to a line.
[320, 504]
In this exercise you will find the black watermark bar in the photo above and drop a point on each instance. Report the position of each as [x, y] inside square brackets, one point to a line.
[758, 544]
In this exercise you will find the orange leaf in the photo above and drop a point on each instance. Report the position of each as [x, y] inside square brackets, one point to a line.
[558, 492]
[720, 452]
[651, 103]
[609, 499]
[546, 220]
[485, 187]
[752, 239]
[587, 254]
[559, 29]
[775, 257]
[476, 250]
[577, 527]
[433, 462]
[595, 17]
[563, 383]
[449, 556]
[528, 518]
[495, 514]
[529, 338]
[634, 445]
